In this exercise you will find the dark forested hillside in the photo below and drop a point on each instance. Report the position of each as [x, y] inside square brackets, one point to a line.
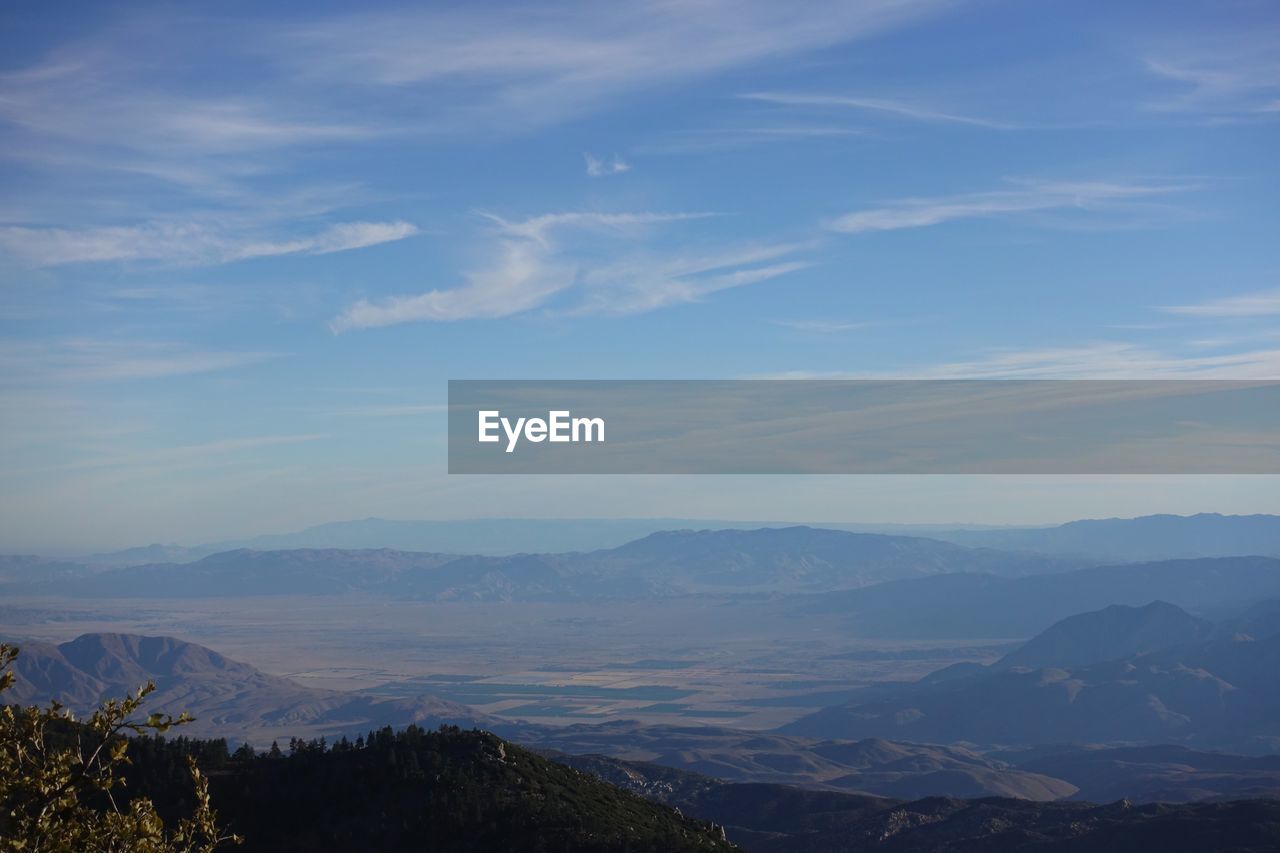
[448, 790]
[471, 791]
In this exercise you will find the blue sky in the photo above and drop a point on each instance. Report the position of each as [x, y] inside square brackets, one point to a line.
[243, 247]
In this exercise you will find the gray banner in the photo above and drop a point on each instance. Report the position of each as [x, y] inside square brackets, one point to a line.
[864, 427]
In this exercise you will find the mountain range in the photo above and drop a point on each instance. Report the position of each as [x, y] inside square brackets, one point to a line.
[965, 605]
[1153, 537]
[793, 559]
[1150, 537]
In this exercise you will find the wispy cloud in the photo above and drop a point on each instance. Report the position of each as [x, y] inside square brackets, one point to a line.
[895, 108]
[40, 363]
[701, 140]
[1236, 76]
[1099, 360]
[541, 64]
[187, 242]
[532, 266]
[1026, 197]
[1249, 305]
[598, 167]
[1110, 360]
[540, 228]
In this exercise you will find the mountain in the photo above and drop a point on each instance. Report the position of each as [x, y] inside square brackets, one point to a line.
[145, 554]
[1161, 773]
[1151, 537]
[969, 606]
[1220, 694]
[227, 697]
[792, 559]
[1114, 632]
[873, 766]
[27, 569]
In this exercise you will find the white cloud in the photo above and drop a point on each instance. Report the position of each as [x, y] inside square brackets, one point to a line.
[521, 279]
[900, 109]
[1110, 360]
[599, 168]
[1249, 305]
[191, 242]
[1236, 76]
[1026, 198]
[1099, 360]
[533, 266]
[337, 238]
[539, 228]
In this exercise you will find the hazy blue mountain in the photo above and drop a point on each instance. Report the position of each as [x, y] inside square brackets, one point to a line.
[302, 571]
[228, 698]
[145, 554]
[793, 559]
[1151, 537]
[485, 536]
[1220, 694]
[975, 605]
[1114, 632]
[22, 569]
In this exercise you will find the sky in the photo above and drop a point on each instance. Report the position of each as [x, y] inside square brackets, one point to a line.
[244, 246]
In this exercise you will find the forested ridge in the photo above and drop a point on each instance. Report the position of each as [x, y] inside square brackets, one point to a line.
[413, 789]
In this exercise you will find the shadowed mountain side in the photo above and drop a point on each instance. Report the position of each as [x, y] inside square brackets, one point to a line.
[777, 818]
[969, 605]
[1223, 694]
[1162, 773]
[794, 559]
[1114, 632]
[1260, 621]
[227, 698]
[871, 766]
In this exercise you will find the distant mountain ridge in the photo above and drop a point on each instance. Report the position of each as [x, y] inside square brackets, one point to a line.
[1153, 537]
[965, 605]
[1150, 537]
[793, 559]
